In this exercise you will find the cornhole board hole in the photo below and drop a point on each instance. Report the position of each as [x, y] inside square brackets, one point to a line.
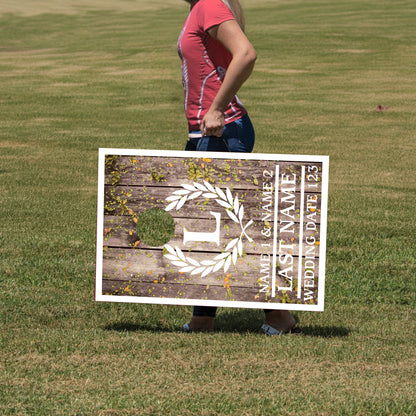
[218, 229]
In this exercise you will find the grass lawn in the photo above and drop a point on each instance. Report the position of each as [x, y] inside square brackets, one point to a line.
[333, 78]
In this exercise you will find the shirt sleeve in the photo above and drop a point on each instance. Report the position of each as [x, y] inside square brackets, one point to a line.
[213, 13]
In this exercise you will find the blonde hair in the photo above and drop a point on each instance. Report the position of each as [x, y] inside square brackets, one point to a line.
[237, 10]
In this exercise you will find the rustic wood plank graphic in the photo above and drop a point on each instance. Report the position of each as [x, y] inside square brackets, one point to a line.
[212, 229]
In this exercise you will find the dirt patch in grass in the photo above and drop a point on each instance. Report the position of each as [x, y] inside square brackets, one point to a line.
[353, 50]
[8, 143]
[281, 71]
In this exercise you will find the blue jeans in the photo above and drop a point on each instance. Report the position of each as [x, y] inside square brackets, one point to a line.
[237, 137]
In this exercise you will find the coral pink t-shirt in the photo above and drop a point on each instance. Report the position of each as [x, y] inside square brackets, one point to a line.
[204, 62]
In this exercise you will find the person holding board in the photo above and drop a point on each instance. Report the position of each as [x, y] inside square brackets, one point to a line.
[217, 58]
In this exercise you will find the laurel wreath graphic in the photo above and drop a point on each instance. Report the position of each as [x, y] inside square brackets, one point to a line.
[235, 211]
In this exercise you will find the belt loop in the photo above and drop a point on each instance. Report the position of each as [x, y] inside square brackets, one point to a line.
[226, 144]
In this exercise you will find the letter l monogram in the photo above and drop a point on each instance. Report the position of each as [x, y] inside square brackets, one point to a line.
[208, 237]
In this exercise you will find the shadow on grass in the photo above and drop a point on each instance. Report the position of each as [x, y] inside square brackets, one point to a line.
[230, 321]
[250, 320]
[137, 327]
[312, 331]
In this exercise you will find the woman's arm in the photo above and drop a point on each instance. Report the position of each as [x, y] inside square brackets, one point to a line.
[244, 56]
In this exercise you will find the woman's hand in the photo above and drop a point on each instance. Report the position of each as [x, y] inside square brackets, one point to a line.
[213, 123]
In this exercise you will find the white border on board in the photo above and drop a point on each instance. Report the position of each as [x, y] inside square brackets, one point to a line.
[319, 307]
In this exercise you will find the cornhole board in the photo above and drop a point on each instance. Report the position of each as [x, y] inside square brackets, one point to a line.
[214, 229]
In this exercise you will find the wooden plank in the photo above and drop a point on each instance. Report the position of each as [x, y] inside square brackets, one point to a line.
[127, 200]
[188, 291]
[147, 268]
[121, 232]
[240, 173]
